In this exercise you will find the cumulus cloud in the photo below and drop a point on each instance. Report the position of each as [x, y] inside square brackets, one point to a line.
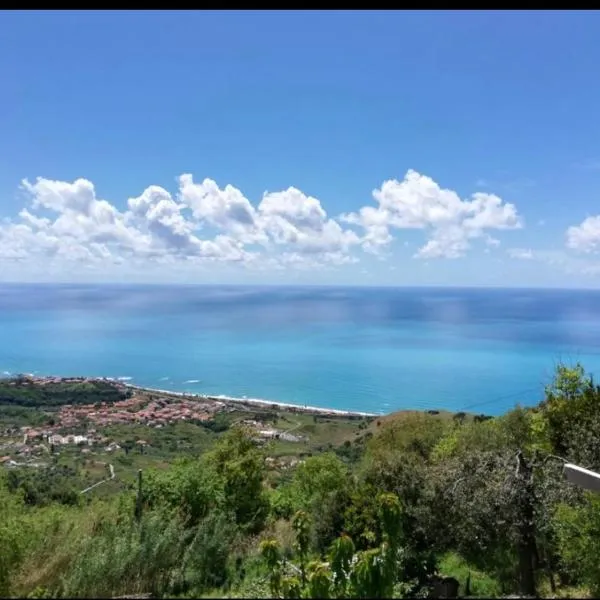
[418, 202]
[290, 217]
[585, 237]
[227, 209]
[68, 221]
[202, 222]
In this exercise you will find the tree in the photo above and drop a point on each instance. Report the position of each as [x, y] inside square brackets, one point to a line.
[128, 445]
[369, 573]
[404, 474]
[319, 476]
[190, 486]
[578, 538]
[572, 404]
[498, 492]
[239, 462]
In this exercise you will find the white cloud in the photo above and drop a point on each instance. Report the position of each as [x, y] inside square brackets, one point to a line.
[418, 202]
[558, 259]
[584, 240]
[66, 222]
[585, 237]
[227, 209]
[290, 217]
[521, 253]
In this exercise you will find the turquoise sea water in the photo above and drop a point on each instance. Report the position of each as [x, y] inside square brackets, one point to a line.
[365, 349]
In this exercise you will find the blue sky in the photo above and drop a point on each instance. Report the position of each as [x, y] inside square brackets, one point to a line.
[283, 124]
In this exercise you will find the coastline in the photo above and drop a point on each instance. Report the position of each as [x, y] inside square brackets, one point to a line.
[124, 382]
[249, 401]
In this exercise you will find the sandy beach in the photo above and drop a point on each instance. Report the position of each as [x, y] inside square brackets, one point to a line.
[253, 401]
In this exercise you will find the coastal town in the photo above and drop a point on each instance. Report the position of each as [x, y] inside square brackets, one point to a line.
[82, 427]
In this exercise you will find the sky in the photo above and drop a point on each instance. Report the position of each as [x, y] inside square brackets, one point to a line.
[315, 147]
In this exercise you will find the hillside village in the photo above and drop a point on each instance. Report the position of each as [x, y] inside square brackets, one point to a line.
[82, 425]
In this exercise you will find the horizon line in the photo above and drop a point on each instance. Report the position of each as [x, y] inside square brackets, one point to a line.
[296, 285]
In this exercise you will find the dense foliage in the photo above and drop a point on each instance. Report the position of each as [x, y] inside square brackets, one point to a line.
[415, 499]
[24, 392]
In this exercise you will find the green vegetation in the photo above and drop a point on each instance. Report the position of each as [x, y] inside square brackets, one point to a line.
[22, 416]
[398, 506]
[23, 392]
[41, 488]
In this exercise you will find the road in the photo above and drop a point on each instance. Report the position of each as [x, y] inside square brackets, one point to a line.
[112, 476]
[297, 424]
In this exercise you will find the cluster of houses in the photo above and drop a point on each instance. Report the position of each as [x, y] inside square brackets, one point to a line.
[141, 408]
[37, 442]
[138, 410]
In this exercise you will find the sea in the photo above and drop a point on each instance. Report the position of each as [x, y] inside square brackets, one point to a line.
[374, 350]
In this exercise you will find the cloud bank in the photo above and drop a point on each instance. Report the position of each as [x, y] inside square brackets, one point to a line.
[202, 222]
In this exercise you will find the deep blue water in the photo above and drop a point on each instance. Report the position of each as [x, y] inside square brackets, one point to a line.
[367, 349]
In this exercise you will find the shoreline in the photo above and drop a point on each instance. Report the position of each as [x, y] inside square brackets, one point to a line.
[259, 402]
[250, 401]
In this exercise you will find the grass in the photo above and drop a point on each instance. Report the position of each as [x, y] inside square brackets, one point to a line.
[403, 415]
[453, 565]
[320, 433]
[545, 591]
[62, 532]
